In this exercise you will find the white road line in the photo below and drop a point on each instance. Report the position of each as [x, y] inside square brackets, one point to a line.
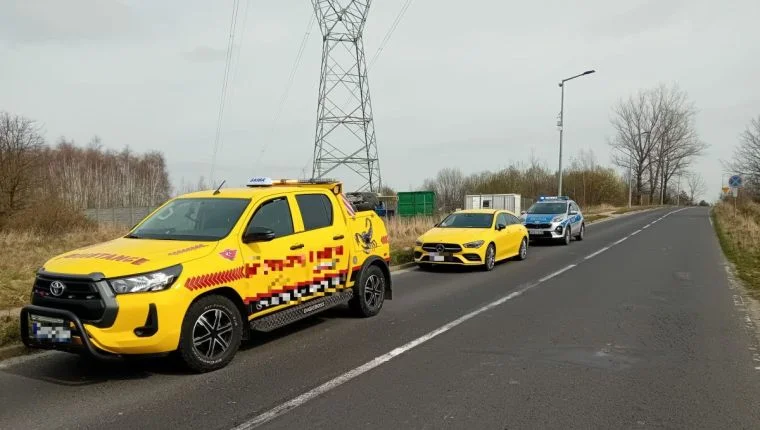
[710, 219]
[635, 232]
[596, 253]
[646, 226]
[620, 241]
[557, 273]
[351, 374]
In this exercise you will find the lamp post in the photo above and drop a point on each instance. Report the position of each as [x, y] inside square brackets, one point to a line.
[562, 125]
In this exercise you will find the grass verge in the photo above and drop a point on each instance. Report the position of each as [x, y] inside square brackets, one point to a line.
[633, 209]
[739, 236]
[9, 331]
[595, 217]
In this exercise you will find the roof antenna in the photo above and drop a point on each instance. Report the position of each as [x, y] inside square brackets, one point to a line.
[219, 187]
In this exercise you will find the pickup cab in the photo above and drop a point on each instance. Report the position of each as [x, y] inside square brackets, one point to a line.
[206, 270]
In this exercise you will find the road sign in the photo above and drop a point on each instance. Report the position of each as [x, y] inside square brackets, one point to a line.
[725, 190]
[735, 181]
[735, 191]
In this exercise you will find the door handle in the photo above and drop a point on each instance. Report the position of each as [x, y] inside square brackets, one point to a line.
[298, 246]
[339, 237]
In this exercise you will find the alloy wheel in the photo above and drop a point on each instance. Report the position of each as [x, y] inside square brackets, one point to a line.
[212, 333]
[373, 291]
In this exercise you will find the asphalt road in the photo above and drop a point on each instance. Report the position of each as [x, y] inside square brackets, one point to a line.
[644, 334]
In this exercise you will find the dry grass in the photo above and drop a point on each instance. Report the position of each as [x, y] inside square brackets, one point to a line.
[634, 209]
[22, 253]
[9, 331]
[592, 210]
[403, 232]
[594, 217]
[740, 239]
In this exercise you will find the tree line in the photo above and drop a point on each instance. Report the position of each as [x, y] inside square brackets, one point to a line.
[33, 172]
[746, 160]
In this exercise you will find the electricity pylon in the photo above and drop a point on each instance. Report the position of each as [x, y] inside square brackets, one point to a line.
[345, 134]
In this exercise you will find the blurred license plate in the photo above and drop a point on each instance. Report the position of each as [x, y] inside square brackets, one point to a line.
[49, 329]
[434, 256]
[534, 231]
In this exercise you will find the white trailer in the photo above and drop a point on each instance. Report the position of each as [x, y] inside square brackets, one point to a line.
[510, 202]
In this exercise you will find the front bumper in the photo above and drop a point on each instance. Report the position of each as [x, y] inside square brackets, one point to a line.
[553, 231]
[463, 257]
[145, 324]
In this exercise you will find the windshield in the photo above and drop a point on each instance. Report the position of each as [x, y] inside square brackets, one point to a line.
[467, 220]
[548, 208]
[196, 219]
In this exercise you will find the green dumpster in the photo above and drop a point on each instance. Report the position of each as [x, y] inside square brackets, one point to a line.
[416, 203]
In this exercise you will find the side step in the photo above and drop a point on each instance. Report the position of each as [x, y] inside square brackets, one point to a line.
[306, 309]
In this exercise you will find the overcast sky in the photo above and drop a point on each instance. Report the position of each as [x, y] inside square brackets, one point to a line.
[459, 84]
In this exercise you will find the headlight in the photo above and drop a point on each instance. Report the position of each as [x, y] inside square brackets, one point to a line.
[474, 244]
[153, 281]
[418, 242]
[558, 218]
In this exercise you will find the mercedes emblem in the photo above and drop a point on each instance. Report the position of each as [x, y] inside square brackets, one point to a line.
[439, 247]
[57, 288]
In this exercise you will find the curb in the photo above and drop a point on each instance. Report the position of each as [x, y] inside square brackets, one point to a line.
[402, 266]
[13, 350]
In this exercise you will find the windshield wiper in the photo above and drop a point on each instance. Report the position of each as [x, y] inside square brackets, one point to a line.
[132, 236]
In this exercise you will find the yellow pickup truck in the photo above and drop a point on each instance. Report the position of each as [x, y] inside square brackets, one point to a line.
[205, 270]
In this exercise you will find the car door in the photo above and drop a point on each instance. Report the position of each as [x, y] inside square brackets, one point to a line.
[575, 218]
[273, 268]
[517, 232]
[324, 240]
[502, 237]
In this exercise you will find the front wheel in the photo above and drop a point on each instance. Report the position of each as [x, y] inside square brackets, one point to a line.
[522, 254]
[369, 292]
[568, 235]
[211, 334]
[490, 257]
[581, 232]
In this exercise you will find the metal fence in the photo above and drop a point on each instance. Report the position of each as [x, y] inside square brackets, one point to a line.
[118, 216]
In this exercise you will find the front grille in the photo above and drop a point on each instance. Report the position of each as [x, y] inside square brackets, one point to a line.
[447, 247]
[79, 296]
[538, 225]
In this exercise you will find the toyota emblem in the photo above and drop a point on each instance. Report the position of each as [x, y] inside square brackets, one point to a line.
[57, 288]
[439, 247]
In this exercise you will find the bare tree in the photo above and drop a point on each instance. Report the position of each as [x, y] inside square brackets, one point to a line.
[21, 144]
[696, 185]
[656, 137]
[449, 187]
[747, 155]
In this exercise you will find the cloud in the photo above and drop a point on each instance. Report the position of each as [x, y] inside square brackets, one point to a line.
[205, 54]
[43, 21]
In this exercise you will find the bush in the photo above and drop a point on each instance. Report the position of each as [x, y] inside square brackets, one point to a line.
[47, 216]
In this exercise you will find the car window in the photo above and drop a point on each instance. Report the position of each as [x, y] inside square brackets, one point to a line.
[513, 219]
[316, 210]
[200, 219]
[502, 219]
[275, 215]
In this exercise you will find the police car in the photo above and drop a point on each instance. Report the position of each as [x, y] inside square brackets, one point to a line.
[554, 218]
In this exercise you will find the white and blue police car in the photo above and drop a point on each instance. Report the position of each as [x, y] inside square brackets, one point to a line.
[554, 218]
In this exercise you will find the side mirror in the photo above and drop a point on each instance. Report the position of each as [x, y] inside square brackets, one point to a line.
[501, 227]
[258, 234]
[523, 213]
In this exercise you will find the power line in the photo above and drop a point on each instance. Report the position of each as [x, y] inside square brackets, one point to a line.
[228, 61]
[289, 84]
[389, 33]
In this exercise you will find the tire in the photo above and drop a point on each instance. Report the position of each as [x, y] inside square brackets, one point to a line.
[522, 254]
[214, 318]
[582, 232]
[369, 292]
[568, 236]
[490, 258]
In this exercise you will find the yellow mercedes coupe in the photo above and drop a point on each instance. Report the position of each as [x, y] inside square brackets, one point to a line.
[473, 237]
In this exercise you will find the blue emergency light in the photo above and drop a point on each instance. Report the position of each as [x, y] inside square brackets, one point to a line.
[544, 198]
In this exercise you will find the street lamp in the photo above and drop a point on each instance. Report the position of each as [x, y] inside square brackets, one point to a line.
[562, 125]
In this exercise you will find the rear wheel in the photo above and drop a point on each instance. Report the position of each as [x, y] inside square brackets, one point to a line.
[490, 257]
[211, 334]
[369, 292]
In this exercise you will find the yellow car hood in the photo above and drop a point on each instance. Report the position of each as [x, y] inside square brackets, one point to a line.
[121, 257]
[455, 235]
